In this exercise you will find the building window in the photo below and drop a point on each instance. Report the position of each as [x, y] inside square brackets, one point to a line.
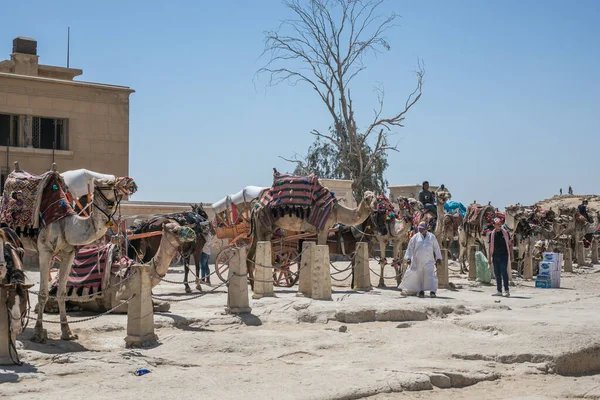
[9, 130]
[49, 133]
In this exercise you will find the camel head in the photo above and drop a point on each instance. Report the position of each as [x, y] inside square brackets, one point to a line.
[443, 194]
[370, 199]
[105, 191]
[178, 235]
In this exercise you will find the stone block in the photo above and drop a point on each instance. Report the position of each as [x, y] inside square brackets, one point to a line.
[40, 103]
[321, 274]
[62, 105]
[82, 107]
[99, 129]
[305, 277]
[119, 111]
[237, 284]
[2, 98]
[81, 145]
[17, 100]
[98, 147]
[362, 273]
[117, 129]
[100, 109]
[263, 271]
[5, 337]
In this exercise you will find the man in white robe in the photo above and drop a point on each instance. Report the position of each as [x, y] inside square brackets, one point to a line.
[422, 255]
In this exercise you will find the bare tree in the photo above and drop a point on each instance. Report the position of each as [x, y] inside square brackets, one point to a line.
[325, 46]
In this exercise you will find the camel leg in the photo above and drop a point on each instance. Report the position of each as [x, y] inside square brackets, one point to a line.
[66, 257]
[186, 271]
[398, 260]
[382, 261]
[45, 258]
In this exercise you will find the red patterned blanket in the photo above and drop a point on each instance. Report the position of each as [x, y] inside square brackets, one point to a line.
[30, 202]
[303, 197]
[91, 271]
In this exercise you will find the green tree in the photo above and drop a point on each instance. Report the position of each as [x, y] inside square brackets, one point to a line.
[325, 46]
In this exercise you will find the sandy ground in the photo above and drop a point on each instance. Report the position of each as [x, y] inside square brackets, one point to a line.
[537, 344]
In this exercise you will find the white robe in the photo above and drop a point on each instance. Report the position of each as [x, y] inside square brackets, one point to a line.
[420, 275]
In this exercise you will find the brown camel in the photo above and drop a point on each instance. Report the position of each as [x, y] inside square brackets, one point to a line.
[292, 222]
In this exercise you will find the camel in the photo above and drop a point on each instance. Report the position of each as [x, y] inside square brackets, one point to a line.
[118, 287]
[264, 224]
[389, 227]
[473, 231]
[447, 225]
[147, 247]
[574, 224]
[529, 225]
[61, 237]
[13, 279]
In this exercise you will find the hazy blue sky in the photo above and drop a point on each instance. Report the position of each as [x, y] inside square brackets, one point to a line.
[510, 109]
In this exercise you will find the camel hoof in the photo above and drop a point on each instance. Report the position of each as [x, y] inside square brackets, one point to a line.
[381, 285]
[69, 336]
[198, 287]
[188, 290]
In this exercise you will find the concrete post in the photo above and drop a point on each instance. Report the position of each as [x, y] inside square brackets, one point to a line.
[321, 274]
[362, 273]
[568, 259]
[263, 271]
[472, 263]
[528, 265]
[308, 255]
[237, 286]
[442, 270]
[580, 253]
[594, 251]
[5, 338]
[140, 310]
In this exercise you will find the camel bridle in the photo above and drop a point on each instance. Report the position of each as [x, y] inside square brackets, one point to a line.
[110, 204]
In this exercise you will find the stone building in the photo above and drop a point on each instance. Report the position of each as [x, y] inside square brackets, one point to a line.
[45, 115]
[408, 191]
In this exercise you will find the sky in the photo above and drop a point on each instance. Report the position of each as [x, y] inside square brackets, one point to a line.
[510, 108]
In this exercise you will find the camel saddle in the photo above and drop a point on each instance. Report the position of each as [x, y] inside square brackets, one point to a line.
[478, 217]
[30, 202]
[303, 197]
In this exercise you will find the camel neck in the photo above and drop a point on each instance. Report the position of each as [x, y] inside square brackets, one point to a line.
[163, 257]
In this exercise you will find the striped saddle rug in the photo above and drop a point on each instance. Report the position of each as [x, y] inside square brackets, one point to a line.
[303, 197]
[91, 271]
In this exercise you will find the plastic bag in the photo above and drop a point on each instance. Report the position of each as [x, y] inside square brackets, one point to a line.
[483, 271]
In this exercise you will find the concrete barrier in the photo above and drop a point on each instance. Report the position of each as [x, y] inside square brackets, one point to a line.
[321, 274]
[263, 271]
[472, 263]
[568, 259]
[237, 284]
[7, 351]
[362, 273]
[442, 271]
[595, 251]
[140, 310]
[305, 278]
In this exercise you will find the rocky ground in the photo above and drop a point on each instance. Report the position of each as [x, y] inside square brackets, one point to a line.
[537, 344]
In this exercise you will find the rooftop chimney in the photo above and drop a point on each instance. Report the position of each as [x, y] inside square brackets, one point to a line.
[24, 45]
[25, 56]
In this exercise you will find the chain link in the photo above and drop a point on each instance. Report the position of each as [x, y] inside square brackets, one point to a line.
[85, 319]
[75, 298]
[195, 296]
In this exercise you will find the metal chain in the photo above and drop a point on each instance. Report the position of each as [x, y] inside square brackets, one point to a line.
[89, 318]
[192, 297]
[343, 279]
[75, 298]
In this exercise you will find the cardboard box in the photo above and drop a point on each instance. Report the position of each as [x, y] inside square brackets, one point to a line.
[543, 283]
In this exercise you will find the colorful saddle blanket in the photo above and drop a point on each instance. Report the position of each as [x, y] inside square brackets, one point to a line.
[30, 202]
[91, 271]
[303, 197]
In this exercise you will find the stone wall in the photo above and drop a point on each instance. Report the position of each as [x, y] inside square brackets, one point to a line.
[98, 123]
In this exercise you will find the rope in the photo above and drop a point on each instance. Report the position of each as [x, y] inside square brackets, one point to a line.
[90, 318]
